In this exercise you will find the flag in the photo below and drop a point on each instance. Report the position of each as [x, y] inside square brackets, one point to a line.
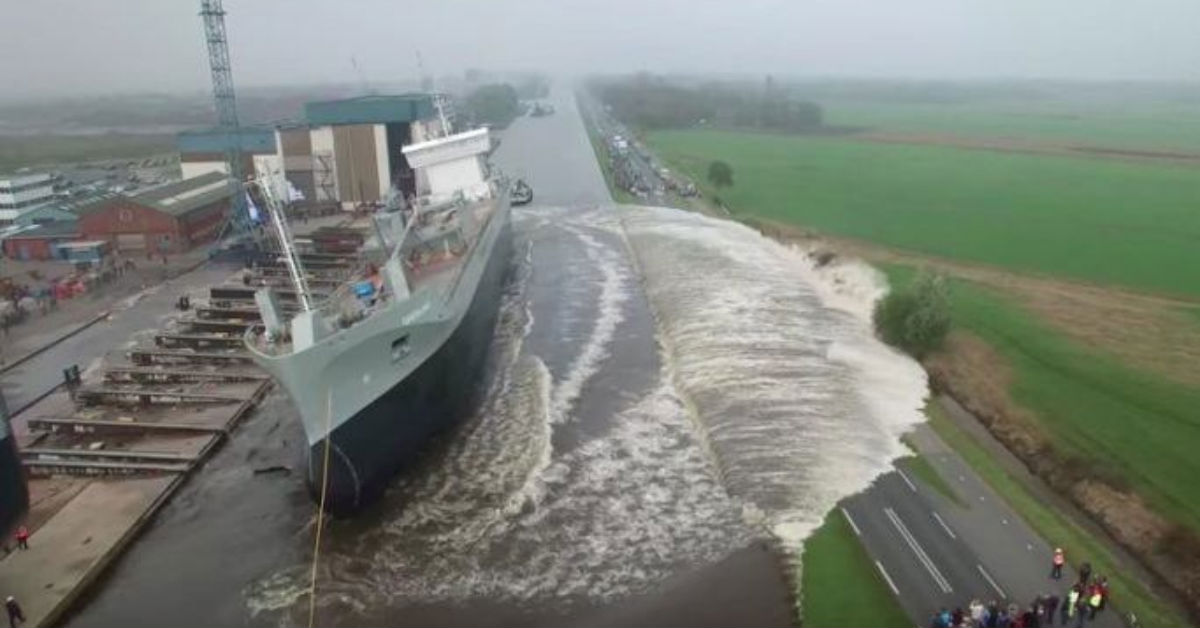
[252, 209]
[293, 193]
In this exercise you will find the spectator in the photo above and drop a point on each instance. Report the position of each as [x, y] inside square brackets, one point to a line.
[15, 614]
[1057, 563]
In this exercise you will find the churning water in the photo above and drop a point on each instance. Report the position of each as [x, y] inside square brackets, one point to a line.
[666, 388]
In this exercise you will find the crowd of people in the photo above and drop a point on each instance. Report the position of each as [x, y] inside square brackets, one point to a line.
[1080, 603]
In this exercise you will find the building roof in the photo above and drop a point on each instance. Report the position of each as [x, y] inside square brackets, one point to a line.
[25, 178]
[183, 197]
[376, 109]
[251, 139]
[84, 204]
[58, 228]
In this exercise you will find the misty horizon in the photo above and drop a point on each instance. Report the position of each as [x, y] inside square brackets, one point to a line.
[147, 47]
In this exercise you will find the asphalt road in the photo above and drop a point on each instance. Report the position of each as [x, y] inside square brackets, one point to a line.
[932, 551]
[937, 553]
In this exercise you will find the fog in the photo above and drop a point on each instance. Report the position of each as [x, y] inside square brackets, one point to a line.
[58, 47]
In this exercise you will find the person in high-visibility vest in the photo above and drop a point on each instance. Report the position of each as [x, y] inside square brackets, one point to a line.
[1072, 601]
[1095, 597]
[1058, 561]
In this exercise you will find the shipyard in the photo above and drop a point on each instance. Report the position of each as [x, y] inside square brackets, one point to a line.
[616, 314]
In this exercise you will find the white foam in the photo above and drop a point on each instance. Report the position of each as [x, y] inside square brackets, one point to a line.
[800, 404]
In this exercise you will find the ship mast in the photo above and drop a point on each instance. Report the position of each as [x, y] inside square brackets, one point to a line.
[290, 256]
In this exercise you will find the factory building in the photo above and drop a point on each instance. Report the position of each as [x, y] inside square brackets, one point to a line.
[203, 151]
[344, 152]
[171, 218]
[349, 151]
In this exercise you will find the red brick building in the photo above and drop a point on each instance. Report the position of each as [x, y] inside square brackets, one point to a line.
[41, 242]
[168, 219]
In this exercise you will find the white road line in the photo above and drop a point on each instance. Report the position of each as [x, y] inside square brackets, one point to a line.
[944, 526]
[850, 520]
[922, 557]
[987, 577]
[891, 584]
[907, 481]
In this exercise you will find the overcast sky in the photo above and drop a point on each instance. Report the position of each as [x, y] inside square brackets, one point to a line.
[89, 46]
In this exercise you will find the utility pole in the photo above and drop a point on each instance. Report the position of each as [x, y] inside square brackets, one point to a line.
[213, 13]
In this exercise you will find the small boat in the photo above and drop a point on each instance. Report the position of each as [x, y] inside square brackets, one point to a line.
[521, 193]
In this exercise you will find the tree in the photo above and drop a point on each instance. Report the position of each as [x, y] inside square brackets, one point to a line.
[720, 174]
[495, 104]
[916, 318]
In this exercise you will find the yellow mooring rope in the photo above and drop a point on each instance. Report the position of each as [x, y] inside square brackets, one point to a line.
[312, 587]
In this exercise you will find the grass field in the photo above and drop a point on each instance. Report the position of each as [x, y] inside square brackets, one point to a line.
[44, 150]
[840, 584]
[1135, 428]
[1131, 595]
[1104, 221]
[1174, 128]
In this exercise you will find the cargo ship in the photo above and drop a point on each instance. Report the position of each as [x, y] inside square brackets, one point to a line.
[395, 354]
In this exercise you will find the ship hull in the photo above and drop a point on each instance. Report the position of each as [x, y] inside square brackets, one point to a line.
[14, 495]
[388, 435]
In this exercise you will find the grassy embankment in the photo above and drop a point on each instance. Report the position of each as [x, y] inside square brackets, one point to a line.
[45, 150]
[1136, 429]
[840, 584]
[1104, 222]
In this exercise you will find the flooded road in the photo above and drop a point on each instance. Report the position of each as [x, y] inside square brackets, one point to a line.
[674, 402]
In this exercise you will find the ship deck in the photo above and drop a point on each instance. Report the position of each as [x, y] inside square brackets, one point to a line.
[431, 266]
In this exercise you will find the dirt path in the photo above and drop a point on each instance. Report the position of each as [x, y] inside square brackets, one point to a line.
[1027, 147]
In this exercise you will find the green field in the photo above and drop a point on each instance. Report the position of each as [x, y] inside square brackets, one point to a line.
[1098, 220]
[1170, 128]
[840, 585]
[46, 150]
[1126, 426]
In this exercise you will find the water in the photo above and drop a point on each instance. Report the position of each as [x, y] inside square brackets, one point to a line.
[665, 391]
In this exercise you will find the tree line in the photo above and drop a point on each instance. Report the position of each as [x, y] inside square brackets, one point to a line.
[654, 103]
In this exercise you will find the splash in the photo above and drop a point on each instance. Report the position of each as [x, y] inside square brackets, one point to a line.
[798, 403]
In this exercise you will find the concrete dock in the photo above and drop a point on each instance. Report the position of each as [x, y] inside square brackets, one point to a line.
[103, 456]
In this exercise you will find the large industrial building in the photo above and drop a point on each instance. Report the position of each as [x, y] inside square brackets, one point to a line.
[202, 152]
[345, 152]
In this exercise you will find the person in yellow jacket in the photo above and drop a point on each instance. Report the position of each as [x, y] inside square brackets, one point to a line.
[1072, 601]
[1095, 599]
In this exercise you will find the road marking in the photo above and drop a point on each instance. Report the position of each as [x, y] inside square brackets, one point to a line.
[891, 584]
[944, 526]
[851, 522]
[907, 481]
[987, 577]
[922, 557]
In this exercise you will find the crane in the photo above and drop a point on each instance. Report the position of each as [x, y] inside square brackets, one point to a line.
[239, 223]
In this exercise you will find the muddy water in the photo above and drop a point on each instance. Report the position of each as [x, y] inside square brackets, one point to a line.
[667, 396]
